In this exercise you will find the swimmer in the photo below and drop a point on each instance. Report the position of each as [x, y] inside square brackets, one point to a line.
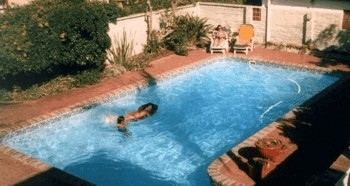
[121, 125]
[142, 112]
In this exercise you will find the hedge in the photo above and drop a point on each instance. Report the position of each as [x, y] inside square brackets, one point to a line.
[50, 37]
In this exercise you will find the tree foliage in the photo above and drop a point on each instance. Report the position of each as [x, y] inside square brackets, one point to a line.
[52, 37]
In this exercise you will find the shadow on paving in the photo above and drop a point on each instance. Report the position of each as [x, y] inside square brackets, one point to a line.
[321, 131]
[54, 177]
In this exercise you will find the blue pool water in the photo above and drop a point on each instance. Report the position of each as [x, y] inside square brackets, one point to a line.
[202, 114]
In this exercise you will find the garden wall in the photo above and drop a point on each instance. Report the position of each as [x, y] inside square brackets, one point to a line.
[135, 26]
[299, 25]
[281, 23]
[231, 16]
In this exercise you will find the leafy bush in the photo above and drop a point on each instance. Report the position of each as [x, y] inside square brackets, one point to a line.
[53, 37]
[188, 31]
[181, 50]
[29, 94]
[154, 44]
[87, 77]
[55, 86]
[5, 95]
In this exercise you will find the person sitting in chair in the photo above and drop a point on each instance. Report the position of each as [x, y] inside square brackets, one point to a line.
[219, 36]
[142, 112]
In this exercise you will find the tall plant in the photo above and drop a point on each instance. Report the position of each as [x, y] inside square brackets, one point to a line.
[188, 31]
[120, 53]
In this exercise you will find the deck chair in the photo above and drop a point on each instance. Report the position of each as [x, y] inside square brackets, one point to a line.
[223, 47]
[245, 39]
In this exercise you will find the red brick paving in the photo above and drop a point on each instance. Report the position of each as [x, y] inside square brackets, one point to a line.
[20, 114]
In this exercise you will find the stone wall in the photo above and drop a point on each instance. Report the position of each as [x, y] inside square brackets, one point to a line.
[228, 16]
[287, 24]
[299, 25]
[327, 25]
[298, 22]
[231, 16]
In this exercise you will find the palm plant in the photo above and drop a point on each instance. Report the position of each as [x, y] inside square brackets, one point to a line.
[121, 52]
[189, 31]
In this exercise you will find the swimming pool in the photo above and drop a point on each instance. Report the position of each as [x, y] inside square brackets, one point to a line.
[202, 113]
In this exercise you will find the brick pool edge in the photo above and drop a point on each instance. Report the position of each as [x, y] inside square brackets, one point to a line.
[232, 168]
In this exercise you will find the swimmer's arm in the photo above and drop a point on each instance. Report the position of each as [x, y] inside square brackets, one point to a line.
[127, 122]
[130, 116]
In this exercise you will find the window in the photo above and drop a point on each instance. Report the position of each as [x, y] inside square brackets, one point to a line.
[346, 20]
[256, 14]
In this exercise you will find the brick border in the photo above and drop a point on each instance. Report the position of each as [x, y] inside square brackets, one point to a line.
[24, 158]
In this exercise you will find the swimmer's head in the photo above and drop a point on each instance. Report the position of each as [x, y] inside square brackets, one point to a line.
[120, 119]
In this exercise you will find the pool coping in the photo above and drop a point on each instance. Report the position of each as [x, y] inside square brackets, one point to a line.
[119, 91]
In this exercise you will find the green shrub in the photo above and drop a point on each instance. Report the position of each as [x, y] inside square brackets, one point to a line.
[53, 37]
[87, 77]
[188, 31]
[178, 42]
[154, 44]
[181, 50]
[55, 86]
[5, 95]
[29, 94]
[80, 41]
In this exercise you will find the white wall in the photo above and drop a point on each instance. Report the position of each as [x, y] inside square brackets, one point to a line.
[228, 16]
[231, 16]
[287, 24]
[135, 26]
[324, 34]
[291, 24]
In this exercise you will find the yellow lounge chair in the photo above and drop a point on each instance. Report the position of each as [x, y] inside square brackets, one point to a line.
[245, 39]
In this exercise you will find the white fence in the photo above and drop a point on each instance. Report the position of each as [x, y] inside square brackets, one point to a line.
[280, 24]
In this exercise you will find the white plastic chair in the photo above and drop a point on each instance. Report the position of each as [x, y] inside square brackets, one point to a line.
[223, 47]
